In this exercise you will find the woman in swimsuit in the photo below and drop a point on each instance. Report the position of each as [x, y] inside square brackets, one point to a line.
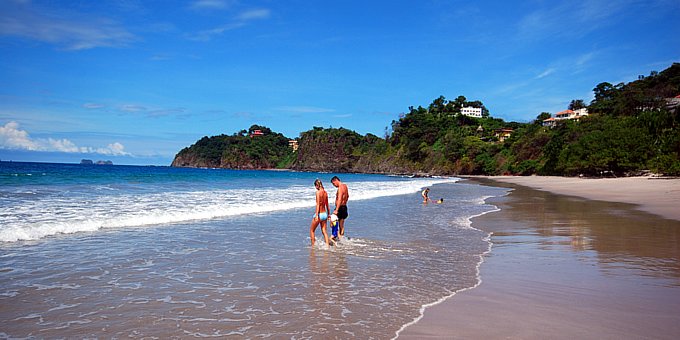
[425, 195]
[321, 212]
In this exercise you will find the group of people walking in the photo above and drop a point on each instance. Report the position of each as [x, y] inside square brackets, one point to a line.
[338, 216]
[321, 215]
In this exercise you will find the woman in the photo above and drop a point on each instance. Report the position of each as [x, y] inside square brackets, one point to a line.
[425, 195]
[321, 212]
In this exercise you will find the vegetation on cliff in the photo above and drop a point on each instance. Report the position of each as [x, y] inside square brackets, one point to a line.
[631, 127]
[255, 148]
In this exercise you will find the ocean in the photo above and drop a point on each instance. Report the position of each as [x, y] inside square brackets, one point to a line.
[161, 252]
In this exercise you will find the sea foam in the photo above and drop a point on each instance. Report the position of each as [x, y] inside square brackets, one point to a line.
[49, 213]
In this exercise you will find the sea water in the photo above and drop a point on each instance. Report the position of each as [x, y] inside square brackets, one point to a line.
[126, 251]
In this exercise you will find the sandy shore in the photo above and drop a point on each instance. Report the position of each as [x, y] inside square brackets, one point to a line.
[654, 195]
[565, 267]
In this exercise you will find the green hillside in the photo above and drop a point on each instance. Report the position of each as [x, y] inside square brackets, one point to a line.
[630, 128]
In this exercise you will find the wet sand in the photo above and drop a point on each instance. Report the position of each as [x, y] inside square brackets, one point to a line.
[565, 267]
[658, 196]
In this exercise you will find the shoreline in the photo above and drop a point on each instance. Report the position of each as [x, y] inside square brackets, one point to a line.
[482, 257]
[562, 266]
[659, 196]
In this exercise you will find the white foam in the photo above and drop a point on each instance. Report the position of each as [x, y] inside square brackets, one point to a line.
[482, 257]
[32, 219]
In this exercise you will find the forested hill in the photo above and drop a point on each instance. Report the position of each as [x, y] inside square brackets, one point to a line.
[631, 127]
[256, 148]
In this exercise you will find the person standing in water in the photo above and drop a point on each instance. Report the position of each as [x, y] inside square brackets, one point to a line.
[321, 213]
[341, 198]
[425, 194]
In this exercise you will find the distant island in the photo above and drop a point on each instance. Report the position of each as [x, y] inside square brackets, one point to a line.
[90, 162]
[626, 129]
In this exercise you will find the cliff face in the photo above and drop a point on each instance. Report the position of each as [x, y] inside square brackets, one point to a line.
[192, 160]
[324, 153]
[341, 150]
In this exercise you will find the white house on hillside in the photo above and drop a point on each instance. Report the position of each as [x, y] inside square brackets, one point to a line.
[564, 115]
[472, 111]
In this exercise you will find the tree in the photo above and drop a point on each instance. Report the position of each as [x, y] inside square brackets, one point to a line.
[577, 104]
[541, 117]
[460, 101]
[605, 97]
[438, 105]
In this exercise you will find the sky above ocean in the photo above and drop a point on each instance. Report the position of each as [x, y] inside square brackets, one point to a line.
[136, 81]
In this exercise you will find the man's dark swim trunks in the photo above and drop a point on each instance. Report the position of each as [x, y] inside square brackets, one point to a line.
[342, 212]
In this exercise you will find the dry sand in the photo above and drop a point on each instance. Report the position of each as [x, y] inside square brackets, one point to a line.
[564, 267]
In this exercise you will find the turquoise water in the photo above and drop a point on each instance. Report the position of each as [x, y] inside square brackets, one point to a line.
[124, 251]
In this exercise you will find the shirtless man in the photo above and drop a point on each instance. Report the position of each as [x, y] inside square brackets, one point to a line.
[341, 198]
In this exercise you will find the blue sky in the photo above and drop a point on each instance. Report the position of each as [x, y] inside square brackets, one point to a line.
[136, 81]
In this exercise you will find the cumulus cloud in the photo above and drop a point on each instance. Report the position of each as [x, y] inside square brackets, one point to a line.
[13, 138]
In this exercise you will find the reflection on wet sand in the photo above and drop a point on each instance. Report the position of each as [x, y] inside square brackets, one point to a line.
[566, 268]
[328, 284]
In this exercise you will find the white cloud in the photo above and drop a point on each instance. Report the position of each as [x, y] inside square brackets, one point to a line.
[93, 106]
[150, 111]
[211, 4]
[569, 19]
[304, 109]
[132, 108]
[254, 14]
[545, 73]
[72, 31]
[115, 149]
[13, 138]
[62, 145]
[242, 19]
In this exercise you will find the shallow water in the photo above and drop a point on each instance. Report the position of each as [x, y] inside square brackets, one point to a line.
[252, 274]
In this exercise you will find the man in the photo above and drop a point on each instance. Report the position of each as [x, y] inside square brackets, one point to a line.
[341, 198]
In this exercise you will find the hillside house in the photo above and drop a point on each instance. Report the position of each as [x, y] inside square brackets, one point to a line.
[472, 111]
[503, 134]
[293, 144]
[256, 133]
[566, 115]
[672, 104]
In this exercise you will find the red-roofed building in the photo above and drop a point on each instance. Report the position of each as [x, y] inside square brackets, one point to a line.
[257, 133]
[564, 115]
[672, 104]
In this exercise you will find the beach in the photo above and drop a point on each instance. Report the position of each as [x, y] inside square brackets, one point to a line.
[140, 252]
[571, 258]
[177, 253]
